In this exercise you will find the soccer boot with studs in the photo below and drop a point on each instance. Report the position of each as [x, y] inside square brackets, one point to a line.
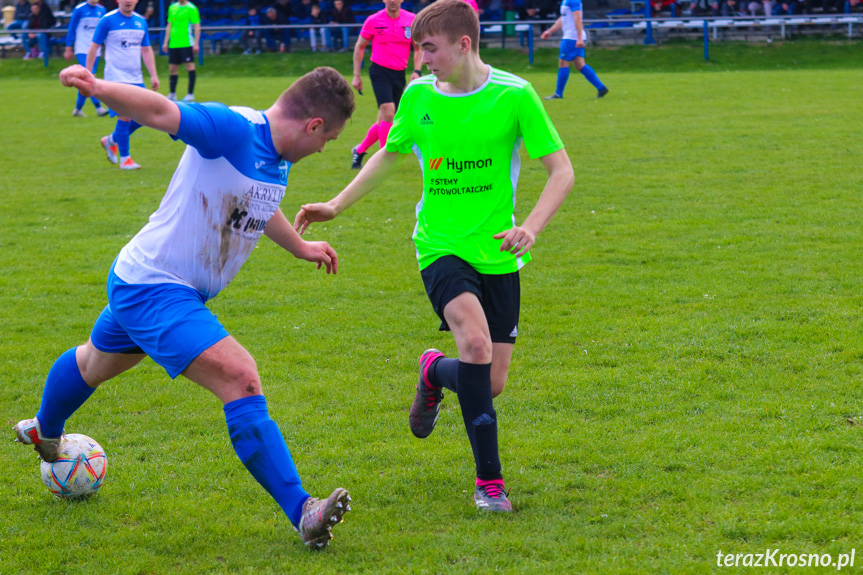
[29, 432]
[320, 516]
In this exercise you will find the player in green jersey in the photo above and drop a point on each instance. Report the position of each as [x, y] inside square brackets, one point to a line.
[182, 43]
[466, 123]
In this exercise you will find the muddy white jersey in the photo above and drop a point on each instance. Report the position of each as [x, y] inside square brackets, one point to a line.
[227, 186]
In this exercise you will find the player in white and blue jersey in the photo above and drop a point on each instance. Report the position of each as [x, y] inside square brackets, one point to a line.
[79, 36]
[572, 48]
[126, 38]
[224, 195]
[82, 25]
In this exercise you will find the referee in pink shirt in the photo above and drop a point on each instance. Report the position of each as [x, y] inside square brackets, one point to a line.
[389, 31]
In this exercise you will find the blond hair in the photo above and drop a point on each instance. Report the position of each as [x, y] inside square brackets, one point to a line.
[322, 93]
[451, 18]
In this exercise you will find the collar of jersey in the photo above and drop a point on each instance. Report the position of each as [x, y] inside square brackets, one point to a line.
[471, 93]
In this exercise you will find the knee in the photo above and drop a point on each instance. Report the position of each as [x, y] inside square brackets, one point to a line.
[86, 357]
[244, 379]
[476, 348]
[388, 113]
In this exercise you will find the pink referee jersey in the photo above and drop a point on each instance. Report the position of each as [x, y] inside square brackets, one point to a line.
[390, 38]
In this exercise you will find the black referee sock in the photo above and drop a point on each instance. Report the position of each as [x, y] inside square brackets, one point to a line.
[173, 82]
[444, 373]
[480, 418]
[191, 81]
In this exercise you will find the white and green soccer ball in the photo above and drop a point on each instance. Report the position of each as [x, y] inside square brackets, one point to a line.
[80, 469]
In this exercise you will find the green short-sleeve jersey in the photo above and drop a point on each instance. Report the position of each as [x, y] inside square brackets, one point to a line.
[182, 17]
[468, 145]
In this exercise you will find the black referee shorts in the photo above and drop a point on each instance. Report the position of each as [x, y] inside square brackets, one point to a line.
[387, 84]
[500, 294]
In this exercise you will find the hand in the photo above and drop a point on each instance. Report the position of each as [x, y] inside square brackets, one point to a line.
[196, 49]
[79, 77]
[545, 35]
[516, 241]
[414, 76]
[357, 83]
[154, 82]
[313, 213]
[579, 44]
[68, 54]
[165, 47]
[320, 253]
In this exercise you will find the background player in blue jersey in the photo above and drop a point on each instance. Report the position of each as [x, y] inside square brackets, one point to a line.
[572, 48]
[223, 197]
[126, 38]
[82, 25]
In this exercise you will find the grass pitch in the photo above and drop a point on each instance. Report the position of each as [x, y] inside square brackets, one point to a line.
[686, 379]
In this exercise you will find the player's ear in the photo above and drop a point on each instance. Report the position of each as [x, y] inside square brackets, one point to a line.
[464, 44]
[314, 126]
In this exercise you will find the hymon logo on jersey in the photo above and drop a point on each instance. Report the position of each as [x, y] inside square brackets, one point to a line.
[459, 165]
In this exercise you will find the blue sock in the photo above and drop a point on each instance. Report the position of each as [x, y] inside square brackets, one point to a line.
[79, 103]
[65, 391]
[133, 125]
[121, 137]
[562, 77]
[591, 76]
[260, 446]
[96, 102]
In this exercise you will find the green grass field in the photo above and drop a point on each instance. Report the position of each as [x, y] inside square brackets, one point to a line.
[686, 380]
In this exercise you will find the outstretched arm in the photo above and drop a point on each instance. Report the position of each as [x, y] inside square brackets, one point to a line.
[280, 231]
[519, 239]
[146, 107]
[376, 170]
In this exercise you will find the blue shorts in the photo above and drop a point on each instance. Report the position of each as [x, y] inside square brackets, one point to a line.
[168, 322]
[114, 114]
[569, 52]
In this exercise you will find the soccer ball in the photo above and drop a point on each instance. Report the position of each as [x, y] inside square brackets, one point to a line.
[80, 469]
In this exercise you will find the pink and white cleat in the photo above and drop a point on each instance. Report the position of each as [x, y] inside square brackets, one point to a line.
[111, 149]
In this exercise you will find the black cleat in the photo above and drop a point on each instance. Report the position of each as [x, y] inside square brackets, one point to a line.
[357, 158]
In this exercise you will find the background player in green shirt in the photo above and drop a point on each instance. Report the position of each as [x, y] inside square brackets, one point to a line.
[182, 41]
[466, 123]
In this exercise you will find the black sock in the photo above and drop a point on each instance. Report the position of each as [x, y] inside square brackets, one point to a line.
[444, 372]
[173, 82]
[480, 418]
[191, 81]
